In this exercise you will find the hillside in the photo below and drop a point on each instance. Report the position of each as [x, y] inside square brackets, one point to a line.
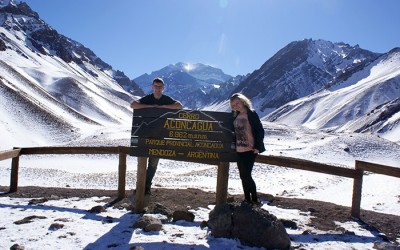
[52, 86]
[60, 88]
[366, 102]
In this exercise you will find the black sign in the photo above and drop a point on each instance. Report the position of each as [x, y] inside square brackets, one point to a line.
[183, 134]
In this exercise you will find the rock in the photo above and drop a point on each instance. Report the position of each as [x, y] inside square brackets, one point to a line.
[3, 45]
[17, 247]
[183, 215]
[29, 219]
[113, 245]
[124, 205]
[384, 237]
[108, 219]
[385, 246]
[252, 225]
[136, 248]
[38, 201]
[220, 220]
[340, 229]
[56, 226]
[63, 219]
[203, 224]
[161, 209]
[97, 209]
[148, 223]
[311, 209]
[289, 224]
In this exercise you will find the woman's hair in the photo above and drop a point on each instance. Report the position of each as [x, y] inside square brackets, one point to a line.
[246, 101]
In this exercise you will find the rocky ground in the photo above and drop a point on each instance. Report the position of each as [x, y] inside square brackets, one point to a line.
[324, 213]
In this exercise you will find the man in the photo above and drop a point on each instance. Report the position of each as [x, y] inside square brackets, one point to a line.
[155, 100]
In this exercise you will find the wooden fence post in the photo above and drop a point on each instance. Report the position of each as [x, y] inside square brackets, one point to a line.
[14, 174]
[357, 190]
[222, 183]
[121, 175]
[140, 184]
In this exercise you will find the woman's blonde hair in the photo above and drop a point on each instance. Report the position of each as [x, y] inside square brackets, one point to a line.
[246, 101]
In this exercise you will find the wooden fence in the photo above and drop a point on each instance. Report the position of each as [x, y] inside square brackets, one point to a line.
[223, 170]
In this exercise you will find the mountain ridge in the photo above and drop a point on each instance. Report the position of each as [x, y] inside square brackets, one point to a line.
[299, 69]
[67, 81]
[350, 107]
[194, 84]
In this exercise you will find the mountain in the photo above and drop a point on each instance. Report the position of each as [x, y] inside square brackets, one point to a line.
[47, 41]
[184, 74]
[51, 84]
[195, 85]
[384, 119]
[301, 68]
[366, 101]
[54, 87]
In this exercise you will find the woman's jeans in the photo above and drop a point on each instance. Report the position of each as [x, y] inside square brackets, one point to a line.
[245, 164]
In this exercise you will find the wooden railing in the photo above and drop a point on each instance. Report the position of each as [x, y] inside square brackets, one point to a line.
[17, 152]
[223, 169]
[360, 167]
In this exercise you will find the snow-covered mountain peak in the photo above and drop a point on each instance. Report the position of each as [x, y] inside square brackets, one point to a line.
[367, 101]
[194, 84]
[300, 69]
[57, 79]
[190, 66]
[336, 57]
[323, 52]
[200, 71]
[4, 3]
[16, 8]
[53, 83]
[392, 56]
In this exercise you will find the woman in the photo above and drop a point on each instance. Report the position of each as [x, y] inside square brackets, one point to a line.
[249, 142]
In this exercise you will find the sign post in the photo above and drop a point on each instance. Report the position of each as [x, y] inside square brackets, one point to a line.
[184, 135]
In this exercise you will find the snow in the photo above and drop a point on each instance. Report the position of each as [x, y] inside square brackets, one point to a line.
[84, 230]
[37, 79]
[337, 107]
[4, 3]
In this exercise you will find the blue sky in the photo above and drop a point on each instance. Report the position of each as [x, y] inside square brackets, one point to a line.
[237, 36]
